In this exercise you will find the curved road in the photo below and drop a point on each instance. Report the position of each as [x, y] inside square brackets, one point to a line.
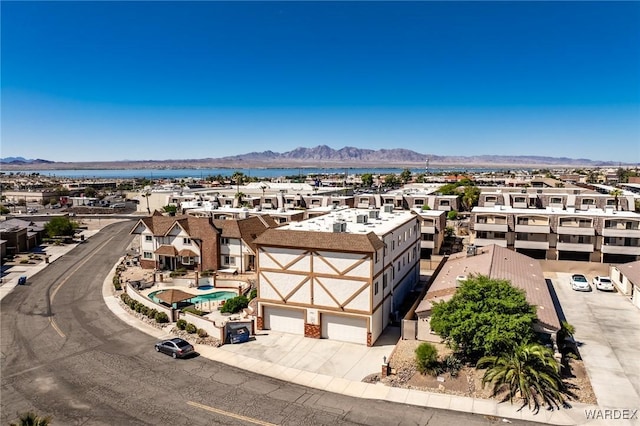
[65, 354]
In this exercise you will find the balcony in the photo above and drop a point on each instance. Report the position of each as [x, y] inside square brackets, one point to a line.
[427, 244]
[611, 249]
[520, 205]
[489, 241]
[444, 208]
[534, 229]
[621, 232]
[581, 247]
[495, 227]
[428, 229]
[575, 230]
[534, 245]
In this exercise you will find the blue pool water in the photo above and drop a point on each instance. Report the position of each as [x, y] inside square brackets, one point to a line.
[216, 295]
[205, 287]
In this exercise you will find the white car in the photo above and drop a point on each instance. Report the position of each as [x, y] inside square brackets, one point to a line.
[579, 283]
[603, 283]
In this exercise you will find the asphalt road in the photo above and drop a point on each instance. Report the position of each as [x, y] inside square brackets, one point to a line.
[66, 355]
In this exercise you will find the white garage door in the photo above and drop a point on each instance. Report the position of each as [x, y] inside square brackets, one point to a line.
[286, 320]
[345, 329]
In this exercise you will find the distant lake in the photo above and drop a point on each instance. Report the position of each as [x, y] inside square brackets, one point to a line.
[252, 172]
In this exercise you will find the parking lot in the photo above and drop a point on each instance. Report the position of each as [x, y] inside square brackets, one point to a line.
[608, 333]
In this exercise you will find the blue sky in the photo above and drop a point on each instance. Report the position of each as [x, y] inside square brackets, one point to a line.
[98, 81]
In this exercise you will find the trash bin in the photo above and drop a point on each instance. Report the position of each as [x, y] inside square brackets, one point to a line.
[22, 280]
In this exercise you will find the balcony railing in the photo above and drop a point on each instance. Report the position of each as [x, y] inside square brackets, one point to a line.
[612, 249]
[535, 245]
[581, 247]
[489, 241]
[534, 229]
[495, 227]
[575, 230]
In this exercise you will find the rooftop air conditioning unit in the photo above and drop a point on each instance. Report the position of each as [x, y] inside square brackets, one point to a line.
[388, 208]
[472, 250]
[460, 279]
[339, 227]
[362, 218]
[374, 214]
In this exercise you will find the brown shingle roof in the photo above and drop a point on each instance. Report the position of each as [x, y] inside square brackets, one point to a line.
[359, 243]
[246, 229]
[187, 253]
[166, 250]
[500, 263]
[174, 296]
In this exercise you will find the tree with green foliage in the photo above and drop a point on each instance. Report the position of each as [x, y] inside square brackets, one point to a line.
[470, 197]
[427, 359]
[616, 194]
[452, 215]
[90, 192]
[367, 180]
[391, 180]
[235, 304]
[4, 210]
[449, 189]
[32, 419]
[171, 209]
[485, 317]
[238, 178]
[60, 226]
[530, 372]
[421, 177]
[405, 176]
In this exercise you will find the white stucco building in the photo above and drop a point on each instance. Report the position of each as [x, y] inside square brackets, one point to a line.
[341, 276]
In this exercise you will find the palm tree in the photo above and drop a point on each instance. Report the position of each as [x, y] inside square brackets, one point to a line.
[32, 419]
[530, 372]
[615, 193]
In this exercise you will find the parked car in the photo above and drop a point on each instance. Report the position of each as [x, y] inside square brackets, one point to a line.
[176, 347]
[603, 283]
[579, 283]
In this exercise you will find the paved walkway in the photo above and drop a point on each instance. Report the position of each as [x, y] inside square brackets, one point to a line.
[336, 379]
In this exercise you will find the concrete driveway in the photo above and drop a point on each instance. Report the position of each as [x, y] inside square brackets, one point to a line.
[328, 357]
[608, 329]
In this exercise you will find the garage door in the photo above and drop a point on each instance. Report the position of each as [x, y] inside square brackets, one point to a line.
[286, 320]
[344, 329]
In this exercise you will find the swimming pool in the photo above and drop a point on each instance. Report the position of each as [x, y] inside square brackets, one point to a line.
[208, 297]
[215, 296]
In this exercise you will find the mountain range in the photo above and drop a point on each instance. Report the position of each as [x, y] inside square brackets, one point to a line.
[319, 156]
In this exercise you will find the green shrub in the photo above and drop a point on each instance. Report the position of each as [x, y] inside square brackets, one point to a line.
[133, 304]
[162, 318]
[235, 304]
[144, 310]
[452, 365]
[125, 298]
[253, 294]
[139, 307]
[181, 324]
[202, 332]
[427, 358]
[193, 311]
[152, 313]
[426, 207]
[116, 283]
[452, 215]
[190, 328]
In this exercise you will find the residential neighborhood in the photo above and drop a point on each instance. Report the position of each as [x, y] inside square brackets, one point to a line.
[355, 266]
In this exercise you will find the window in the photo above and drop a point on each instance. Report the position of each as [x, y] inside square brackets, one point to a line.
[384, 281]
[418, 202]
[444, 203]
[267, 200]
[555, 200]
[376, 288]
[588, 202]
[489, 199]
[224, 241]
[377, 257]
[147, 255]
[186, 260]
[229, 260]
[186, 241]
[148, 238]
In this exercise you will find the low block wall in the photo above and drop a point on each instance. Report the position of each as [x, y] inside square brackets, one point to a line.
[205, 324]
[135, 295]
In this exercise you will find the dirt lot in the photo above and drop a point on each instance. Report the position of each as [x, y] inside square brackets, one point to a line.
[468, 382]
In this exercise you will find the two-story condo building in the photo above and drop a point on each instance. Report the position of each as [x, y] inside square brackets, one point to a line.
[340, 276]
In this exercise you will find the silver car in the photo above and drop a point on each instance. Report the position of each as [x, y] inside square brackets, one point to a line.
[579, 283]
[603, 283]
[176, 347]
